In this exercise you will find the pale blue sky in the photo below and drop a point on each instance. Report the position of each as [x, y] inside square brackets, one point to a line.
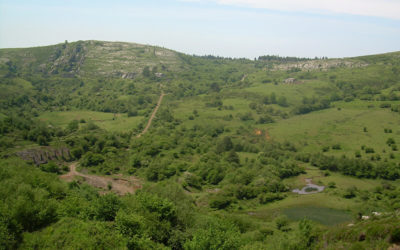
[233, 28]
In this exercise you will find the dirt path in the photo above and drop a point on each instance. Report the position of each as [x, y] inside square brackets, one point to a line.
[118, 184]
[152, 115]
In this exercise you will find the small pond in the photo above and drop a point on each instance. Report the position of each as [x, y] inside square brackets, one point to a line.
[323, 215]
[310, 188]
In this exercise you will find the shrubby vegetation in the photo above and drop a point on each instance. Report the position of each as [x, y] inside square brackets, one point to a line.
[213, 167]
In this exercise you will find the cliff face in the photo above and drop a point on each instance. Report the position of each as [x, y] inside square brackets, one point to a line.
[45, 154]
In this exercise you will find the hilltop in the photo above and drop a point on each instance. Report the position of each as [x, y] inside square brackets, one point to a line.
[89, 58]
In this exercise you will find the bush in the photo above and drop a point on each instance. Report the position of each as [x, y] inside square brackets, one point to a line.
[106, 207]
[76, 153]
[215, 235]
[395, 235]
[193, 180]
[129, 224]
[73, 125]
[265, 119]
[42, 141]
[269, 197]
[387, 130]
[91, 159]
[91, 126]
[350, 193]
[390, 141]
[282, 223]
[369, 150]
[132, 113]
[50, 167]
[385, 105]
[220, 202]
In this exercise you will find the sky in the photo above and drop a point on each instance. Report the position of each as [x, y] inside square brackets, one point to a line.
[229, 28]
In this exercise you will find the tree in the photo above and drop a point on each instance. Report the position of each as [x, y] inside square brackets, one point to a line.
[282, 223]
[307, 236]
[50, 167]
[233, 157]
[42, 141]
[282, 101]
[77, 152]
[132, 112]
[272, 98]
[91, 159]
[73, 125]
[107, 207]
[215, 235]
[146, 71]
[224, 145]
[264, 119]
[129, 224]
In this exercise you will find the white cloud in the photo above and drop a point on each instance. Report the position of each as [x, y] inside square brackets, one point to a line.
[377, 8]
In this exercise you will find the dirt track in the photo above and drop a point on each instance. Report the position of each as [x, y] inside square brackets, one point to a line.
[152, 115]
[118, 184]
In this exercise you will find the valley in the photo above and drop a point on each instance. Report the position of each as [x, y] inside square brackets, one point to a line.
[163, 150]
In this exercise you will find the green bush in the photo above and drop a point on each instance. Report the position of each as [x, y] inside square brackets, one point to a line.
[220, 202]
[50, 167]
[92, 159]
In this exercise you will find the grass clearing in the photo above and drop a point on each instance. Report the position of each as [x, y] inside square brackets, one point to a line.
[121, 123]
[341, 181]
[294, 93]
[344, 127]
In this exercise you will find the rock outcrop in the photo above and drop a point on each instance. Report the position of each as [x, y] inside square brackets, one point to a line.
[45, 154]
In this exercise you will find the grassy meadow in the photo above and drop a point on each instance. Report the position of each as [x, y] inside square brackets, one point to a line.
[107, 121]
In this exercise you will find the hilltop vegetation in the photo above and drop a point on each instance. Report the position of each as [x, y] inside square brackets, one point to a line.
[230, 141]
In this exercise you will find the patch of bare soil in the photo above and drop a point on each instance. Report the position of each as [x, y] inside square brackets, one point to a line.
[266, 134]
[120, 185]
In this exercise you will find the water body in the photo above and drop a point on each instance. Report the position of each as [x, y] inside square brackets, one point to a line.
[309, 185]
[323, 215]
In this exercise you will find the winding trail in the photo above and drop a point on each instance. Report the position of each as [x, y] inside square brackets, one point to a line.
[152, 115]
[120, 185]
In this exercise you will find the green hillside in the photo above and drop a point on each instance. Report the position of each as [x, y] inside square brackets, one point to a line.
[126, 146]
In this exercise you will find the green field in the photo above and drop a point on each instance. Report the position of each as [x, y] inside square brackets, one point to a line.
[107, 121]
[294, 93]
[341, 181]
[345, 127]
